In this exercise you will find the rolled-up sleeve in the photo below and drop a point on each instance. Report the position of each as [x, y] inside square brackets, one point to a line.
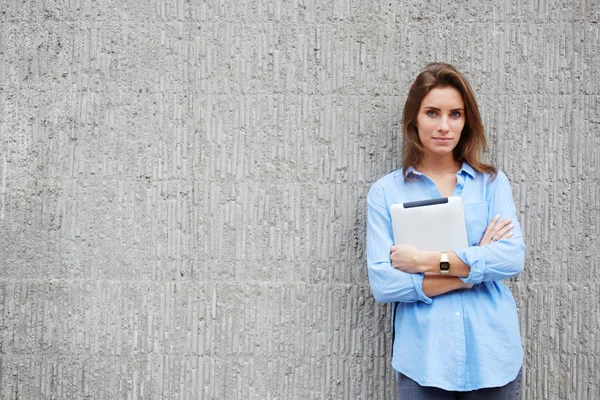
[387, 284]
[502, 259]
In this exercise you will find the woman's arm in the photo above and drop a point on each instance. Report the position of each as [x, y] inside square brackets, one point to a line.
[494, 261]
[434, 285]
[387, 283]
[429, 263]
[501, 259]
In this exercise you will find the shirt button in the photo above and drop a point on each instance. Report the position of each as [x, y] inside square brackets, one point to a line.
[457, 314]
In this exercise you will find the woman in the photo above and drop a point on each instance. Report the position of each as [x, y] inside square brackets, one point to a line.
[456, 335]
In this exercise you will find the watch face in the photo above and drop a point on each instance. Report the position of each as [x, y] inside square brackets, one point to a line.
[444, 266]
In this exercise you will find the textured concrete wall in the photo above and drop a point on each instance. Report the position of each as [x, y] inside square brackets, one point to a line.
[182, 189]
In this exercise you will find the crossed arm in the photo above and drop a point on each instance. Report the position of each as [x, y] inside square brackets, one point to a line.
[404, 274]
[409, 259]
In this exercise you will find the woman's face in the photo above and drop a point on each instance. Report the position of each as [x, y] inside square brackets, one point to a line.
[440, 121]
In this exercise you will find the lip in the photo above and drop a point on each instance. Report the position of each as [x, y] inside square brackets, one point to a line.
[442, 139]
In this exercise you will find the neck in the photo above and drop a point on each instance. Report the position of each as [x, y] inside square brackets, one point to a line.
[439, 165]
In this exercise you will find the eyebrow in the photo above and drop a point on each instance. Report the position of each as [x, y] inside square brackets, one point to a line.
[437, 109]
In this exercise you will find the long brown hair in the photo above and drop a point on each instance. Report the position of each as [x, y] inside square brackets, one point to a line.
[472, 141]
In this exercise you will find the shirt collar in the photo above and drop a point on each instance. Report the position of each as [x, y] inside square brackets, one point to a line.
[412, 171]
[465, 167]
[468, 169]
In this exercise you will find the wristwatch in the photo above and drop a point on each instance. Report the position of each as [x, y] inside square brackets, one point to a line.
[444, 264]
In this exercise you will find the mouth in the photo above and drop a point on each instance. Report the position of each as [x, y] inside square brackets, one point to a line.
[442, 139]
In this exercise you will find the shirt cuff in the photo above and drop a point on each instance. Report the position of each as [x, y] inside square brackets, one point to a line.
[418, 282]
[474, 259]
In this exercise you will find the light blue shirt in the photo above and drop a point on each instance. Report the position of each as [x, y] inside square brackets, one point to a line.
[465, 339]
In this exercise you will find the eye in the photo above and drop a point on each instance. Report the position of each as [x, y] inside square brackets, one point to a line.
[430, 113]
[455, 114]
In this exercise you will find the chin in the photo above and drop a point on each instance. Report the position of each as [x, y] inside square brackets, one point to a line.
[437, 152]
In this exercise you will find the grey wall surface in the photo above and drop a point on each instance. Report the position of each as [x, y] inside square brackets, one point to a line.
[182, 189]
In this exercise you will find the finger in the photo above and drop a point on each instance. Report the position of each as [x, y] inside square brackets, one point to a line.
[506, 235]
[503, 223]
[500, 225]
[486, 241]
[500, 233]
[496, 231]
[488, 230]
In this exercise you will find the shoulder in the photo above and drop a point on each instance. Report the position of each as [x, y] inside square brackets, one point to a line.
[490, 183]
[492, 180]
[388, 181]
[497, 187]
[499, 180]
[384, 188]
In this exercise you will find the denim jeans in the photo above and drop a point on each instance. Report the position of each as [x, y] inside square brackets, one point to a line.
[411, 390]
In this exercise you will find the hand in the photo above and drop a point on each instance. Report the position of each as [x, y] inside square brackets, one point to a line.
[404, 258]
[497, 230]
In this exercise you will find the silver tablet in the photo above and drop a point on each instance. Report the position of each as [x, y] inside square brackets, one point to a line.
[437, 224]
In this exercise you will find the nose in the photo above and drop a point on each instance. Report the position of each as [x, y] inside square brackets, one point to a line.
[443, 126]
